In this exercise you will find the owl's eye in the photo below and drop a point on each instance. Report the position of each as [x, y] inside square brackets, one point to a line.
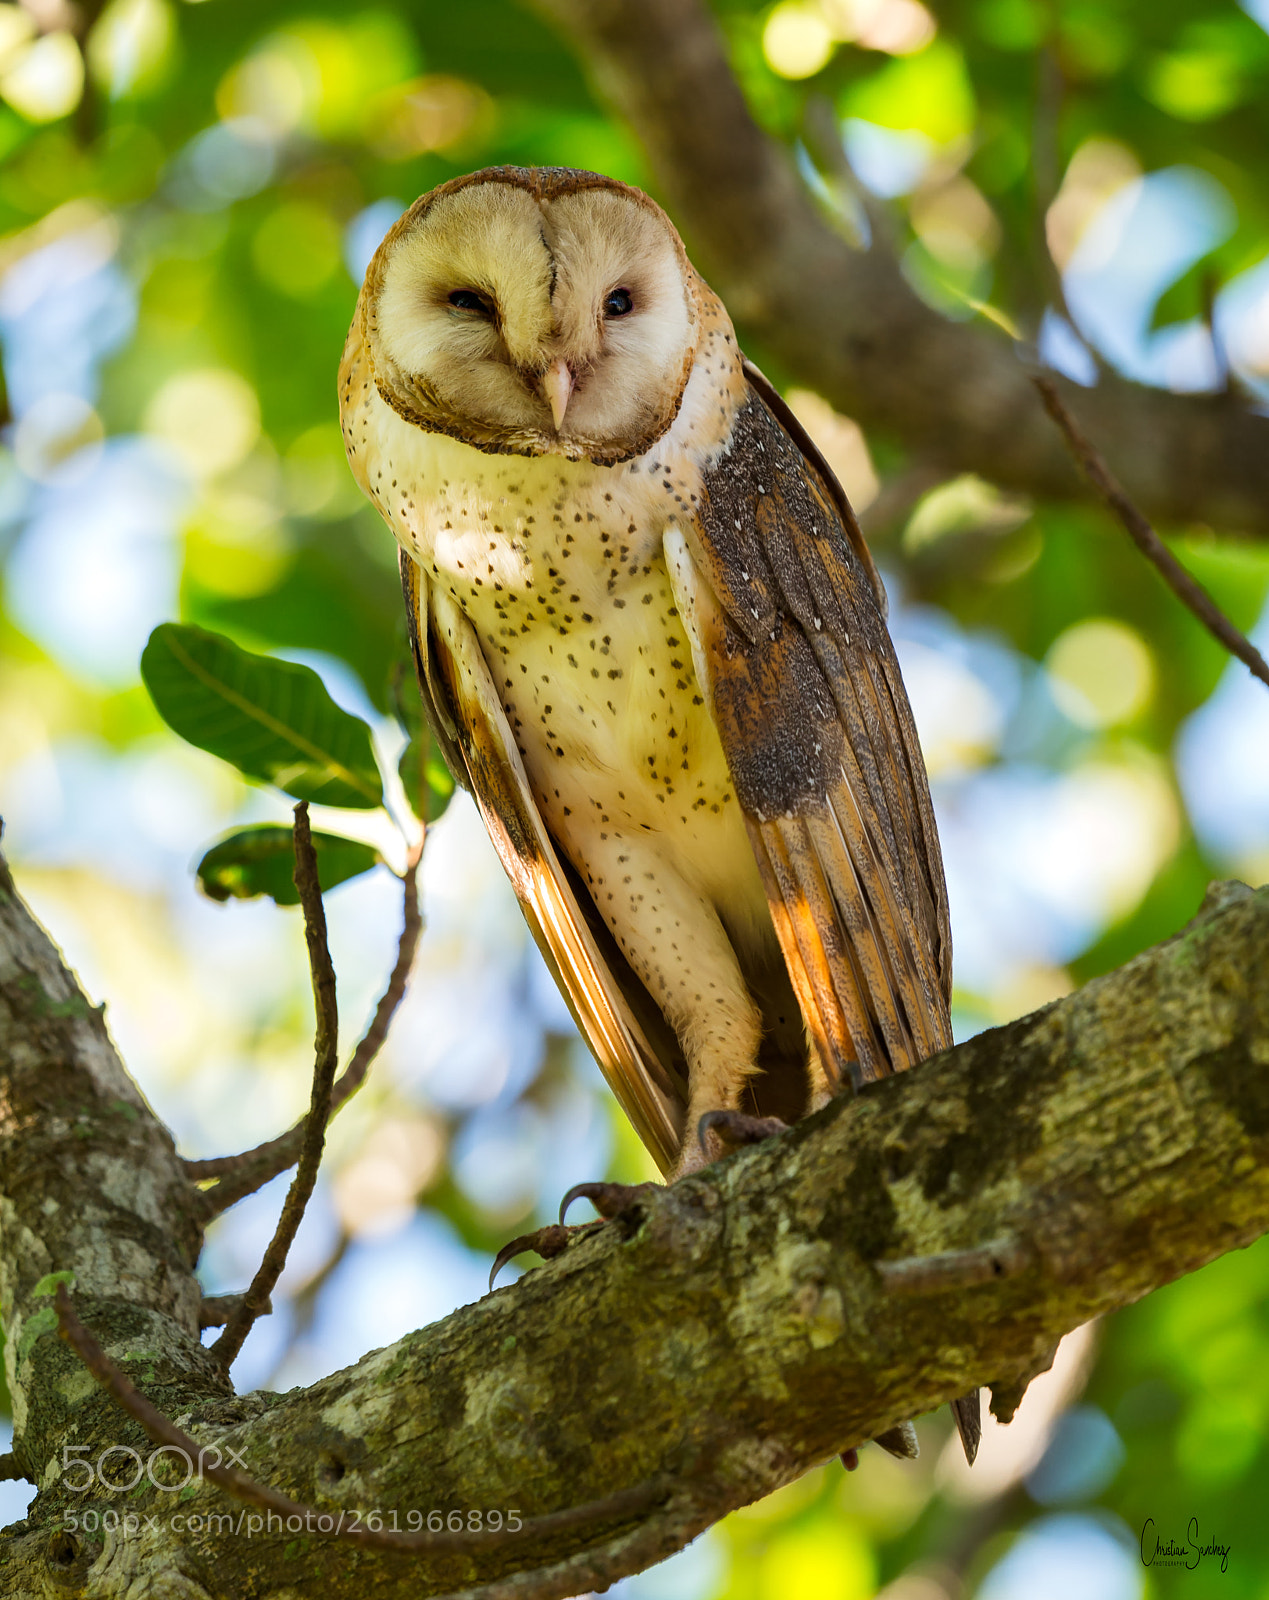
[472, 300]
[618, 303]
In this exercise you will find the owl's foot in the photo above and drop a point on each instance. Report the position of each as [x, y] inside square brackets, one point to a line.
[609, 1199]
[900, 1441]
[547, 1242]
[720, 1132]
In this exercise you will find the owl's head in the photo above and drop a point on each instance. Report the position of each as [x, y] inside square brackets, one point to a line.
[534, 310]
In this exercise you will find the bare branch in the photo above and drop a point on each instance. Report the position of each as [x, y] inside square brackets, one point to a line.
[244, 1173]
[217, 1309]
[1187, 589]
[326, 1054]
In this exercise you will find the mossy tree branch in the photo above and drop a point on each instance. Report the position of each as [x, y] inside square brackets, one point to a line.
[942, 1229]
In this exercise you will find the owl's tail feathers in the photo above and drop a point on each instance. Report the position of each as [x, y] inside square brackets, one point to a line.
[968, 1424]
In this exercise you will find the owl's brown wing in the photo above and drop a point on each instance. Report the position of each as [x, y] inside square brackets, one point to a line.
[786, 616]
[612, 1009]
[784, 611]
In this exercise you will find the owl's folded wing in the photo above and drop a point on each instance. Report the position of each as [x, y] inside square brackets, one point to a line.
[605, 998]
[781, 602]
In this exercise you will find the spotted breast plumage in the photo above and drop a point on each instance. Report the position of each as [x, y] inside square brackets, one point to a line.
[651, 642]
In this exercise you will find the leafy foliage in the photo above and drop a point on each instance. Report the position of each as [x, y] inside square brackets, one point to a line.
[427, 781]
[261, 861]
[274, 720]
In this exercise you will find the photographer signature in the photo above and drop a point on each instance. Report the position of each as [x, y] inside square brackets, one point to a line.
[1167, 1553]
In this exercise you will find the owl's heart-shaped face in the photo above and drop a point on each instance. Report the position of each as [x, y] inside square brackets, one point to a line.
[549, 312]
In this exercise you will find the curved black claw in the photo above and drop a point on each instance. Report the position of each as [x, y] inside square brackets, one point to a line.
[850, 1460]
[900, 1441]
[732, 1129]
[609, 1199]
[547, 1242]
[969, 1424]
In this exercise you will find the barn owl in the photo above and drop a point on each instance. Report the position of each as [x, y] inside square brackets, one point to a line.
[651, 642]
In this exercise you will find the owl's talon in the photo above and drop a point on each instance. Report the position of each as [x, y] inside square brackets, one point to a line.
[609, 1199]
[547, 1242]
[900, 1441]
[732, 1130]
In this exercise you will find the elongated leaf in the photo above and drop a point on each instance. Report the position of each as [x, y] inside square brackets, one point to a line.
[261, 860]
[272, 719]
[425, 778]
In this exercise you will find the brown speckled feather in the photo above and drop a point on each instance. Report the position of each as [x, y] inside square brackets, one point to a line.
[819, 737]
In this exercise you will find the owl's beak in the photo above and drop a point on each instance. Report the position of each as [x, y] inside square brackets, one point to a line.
[557, 386]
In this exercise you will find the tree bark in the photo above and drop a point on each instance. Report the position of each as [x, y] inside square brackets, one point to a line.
[848, 322]
[938, 1231]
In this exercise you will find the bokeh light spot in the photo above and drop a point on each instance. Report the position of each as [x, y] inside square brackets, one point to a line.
[433, 113]
[816, 1560]
[131, 45]
[279, 84]
[46, 80]
[1102, 673]
[297, 248]
[58, 439]
[897, 27]
[796, 41]
[208, 418]
[842, 442]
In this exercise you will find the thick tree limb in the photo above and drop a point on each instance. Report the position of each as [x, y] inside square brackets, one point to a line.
[90, 1184]
[847, 322]
[766, 1313]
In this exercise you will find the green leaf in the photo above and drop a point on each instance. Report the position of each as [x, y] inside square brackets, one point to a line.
[272, 719]
[426, 779]
[261, 860]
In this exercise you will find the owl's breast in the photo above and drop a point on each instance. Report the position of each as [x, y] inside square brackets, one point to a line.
[559, 567]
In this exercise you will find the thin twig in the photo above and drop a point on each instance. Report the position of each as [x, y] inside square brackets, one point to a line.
[1188, 590]
[325, 1057]
[244, 1173]
[163, 1431]
[303, 1306]
[215, 1310]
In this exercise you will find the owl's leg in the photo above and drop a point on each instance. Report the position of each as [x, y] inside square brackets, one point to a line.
[677, 946]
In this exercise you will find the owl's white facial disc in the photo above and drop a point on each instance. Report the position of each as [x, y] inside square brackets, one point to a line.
[495, 311]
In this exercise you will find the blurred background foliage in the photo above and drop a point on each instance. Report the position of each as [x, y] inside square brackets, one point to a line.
[188, 197]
